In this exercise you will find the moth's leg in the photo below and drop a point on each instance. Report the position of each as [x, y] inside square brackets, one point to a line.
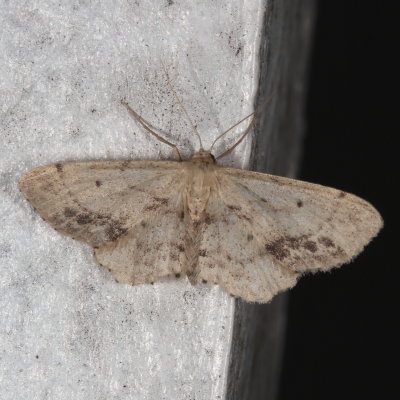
[148, 129]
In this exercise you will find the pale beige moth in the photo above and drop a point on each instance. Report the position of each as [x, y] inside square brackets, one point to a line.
[252, 233]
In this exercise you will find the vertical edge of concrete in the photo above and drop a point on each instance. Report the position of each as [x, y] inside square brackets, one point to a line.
[259, 330]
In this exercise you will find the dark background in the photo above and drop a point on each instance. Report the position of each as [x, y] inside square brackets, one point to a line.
[340, 340]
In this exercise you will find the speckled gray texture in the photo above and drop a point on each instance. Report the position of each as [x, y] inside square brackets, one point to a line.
[67, 330]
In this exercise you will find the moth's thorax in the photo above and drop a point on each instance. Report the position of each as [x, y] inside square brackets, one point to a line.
[203, 157]
[199, 182]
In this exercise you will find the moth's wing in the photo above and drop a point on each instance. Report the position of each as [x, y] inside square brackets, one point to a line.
[152, 249]
[100, 201]
[232, 256]
[129, 211]
[277, 228]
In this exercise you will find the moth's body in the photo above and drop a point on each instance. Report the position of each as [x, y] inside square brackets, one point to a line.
[253, 234]
[199, 182]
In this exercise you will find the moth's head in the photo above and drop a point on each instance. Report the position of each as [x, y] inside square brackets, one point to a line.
[204, 156]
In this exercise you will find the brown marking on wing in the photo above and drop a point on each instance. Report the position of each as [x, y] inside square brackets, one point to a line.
[156, 203]
[278, 249]
[339, 252]
[281, 248]
[83, 219]
[324, 240]
[310, 245]
[161, 200]
[70, 212]
[115, 230]
[203, 253]
[234, 208]
[76, 222]
[207, 219]
[124, 165]
[246, 217]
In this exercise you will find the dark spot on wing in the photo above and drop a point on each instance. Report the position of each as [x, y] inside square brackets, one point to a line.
[339, 252]
[59, 167]
[326, 241]
[151, 207]
[181, 248]
[178, 275]
[204, 281]
[264, 200]
[115, 230]
[246, 217]
[250, 237]
[181, 215]
[282, 248]
[143, 224]
[341, 195]
[98, 183]
[310, 245]
[278, 249]
[234, 208]
[157, 202]
[207, 219]
[83, 219]
[202, 253]
[299, 203]
[161, 200]
[69, 212]
[124, 165]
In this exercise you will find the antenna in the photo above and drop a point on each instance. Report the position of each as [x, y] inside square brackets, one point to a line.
[148, 129]
[263, 104]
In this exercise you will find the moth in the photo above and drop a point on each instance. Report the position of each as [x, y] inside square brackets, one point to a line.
[254, 234]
